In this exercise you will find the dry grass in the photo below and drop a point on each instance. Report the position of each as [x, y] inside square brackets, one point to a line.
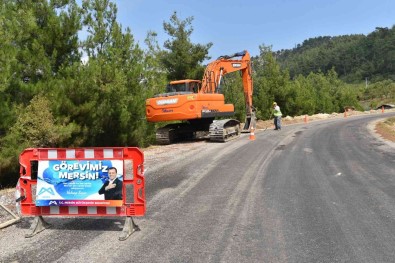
[386, 129]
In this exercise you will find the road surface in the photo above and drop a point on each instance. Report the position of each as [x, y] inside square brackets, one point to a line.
[317, 192]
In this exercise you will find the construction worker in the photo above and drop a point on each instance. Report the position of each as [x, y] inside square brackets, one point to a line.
[277, 116]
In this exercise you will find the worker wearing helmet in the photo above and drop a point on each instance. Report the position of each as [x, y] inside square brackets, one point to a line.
[277, 116]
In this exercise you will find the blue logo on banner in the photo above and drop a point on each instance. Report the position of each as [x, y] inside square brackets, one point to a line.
[43, 190]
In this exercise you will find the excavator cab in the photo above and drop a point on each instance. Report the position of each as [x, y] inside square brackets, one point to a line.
[187, 85]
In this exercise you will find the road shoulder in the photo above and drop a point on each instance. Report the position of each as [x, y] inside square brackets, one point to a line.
[372, 129]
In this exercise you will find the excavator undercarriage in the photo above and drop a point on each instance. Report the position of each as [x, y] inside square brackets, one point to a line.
[214, 130]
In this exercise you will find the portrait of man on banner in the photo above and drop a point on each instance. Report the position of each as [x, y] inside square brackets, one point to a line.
[112, 188]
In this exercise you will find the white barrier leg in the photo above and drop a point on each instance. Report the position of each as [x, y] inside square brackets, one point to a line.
[129, 228]
[37, 226]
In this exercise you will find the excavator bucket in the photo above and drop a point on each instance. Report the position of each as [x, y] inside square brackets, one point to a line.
[249, 123]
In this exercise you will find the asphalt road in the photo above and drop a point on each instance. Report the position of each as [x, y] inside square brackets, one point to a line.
[317, 192]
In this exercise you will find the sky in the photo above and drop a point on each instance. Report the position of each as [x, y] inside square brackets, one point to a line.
[234, 26]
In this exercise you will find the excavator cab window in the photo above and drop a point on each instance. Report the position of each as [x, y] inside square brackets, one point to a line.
[170, 88]
[189, 87]
[177, 87]
[194, 87]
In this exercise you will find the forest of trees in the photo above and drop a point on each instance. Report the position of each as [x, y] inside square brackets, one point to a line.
[354, 57]
[50, 98]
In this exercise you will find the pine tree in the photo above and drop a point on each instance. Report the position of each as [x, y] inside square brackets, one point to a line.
[182, 59]
[104, 96]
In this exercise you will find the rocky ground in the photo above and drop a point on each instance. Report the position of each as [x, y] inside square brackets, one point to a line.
[155, 155]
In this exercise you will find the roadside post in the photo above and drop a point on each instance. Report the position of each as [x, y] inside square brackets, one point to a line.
[65, 182]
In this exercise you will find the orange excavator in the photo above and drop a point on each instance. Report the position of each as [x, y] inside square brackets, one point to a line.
[198, 103]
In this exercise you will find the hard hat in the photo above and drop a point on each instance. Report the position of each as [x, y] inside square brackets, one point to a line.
[274, 103]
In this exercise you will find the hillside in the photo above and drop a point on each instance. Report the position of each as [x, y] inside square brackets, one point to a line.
[354, 57]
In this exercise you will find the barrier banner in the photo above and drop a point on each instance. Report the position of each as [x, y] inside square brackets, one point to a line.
[79, 183]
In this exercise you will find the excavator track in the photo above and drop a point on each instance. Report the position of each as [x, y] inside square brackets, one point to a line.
[173, 133]
[217, 131]
[224, 130]
[164, 136]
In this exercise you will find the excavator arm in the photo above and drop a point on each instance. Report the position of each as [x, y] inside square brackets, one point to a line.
[227, 64]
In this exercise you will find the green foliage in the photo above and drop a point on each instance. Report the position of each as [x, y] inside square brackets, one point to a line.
[35, 127]
[104, 97]
[99, 16]
[232, 88]
[379, 93]
[270, 83]
[182, 59]
[354, 57]
[48, 38]
[38, 38]
[315, 93]
[154, 78]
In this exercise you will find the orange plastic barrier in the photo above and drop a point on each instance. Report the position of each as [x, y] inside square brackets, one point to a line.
[85, 169]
